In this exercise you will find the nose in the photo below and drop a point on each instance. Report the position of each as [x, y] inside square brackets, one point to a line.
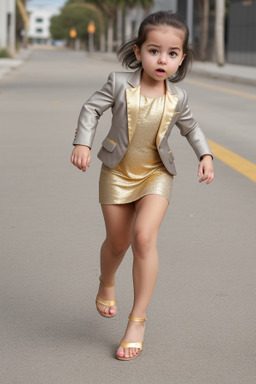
[162, 59]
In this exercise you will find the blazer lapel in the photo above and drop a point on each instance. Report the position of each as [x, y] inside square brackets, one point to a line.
[133, 102]
[170, 104]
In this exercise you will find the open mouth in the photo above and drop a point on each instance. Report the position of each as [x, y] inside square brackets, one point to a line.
[160, 70]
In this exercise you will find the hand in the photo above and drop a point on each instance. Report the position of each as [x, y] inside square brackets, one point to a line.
[205, 168]
[81, 157]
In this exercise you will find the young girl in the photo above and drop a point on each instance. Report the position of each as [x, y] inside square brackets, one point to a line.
[138, 165]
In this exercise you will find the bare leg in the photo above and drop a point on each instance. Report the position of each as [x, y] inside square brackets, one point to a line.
[119, 221]
[150, 211]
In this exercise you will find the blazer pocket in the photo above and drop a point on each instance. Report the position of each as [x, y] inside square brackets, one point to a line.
[108, 144]
[171, 157]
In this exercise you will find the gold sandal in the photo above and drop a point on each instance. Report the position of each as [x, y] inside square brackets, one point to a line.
[107, 303]
[138, 344]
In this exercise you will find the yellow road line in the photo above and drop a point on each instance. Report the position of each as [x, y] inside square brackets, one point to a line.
[221, 89]
[235, 161]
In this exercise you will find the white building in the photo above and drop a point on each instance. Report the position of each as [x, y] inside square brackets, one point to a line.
[39, 24]
[7, 25]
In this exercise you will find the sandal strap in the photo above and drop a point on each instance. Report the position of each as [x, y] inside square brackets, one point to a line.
[137, 319]
[138, 344]
[108, 303]
[106, 285]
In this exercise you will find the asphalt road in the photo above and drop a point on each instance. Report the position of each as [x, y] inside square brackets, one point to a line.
[201, 320]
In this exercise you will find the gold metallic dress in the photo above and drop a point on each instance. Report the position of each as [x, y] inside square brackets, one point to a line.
[141, 171]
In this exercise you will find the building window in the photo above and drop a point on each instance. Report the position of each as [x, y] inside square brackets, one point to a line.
[39, 30]
[39, 20]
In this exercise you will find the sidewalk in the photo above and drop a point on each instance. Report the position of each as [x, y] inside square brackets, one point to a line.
[237, 73]
[6, 65]
[230, 72]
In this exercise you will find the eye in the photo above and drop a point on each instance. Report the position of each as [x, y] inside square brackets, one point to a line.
[173, 54]
[154, 51]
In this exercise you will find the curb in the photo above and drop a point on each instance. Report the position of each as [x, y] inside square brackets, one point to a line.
[229, 72]
[223, 74]
[7, 65]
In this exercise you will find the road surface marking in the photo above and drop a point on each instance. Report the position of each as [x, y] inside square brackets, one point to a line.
[221, 89]
[241, 165]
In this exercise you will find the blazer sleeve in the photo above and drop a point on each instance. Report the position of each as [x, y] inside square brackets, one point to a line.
[190, 128]
[92, 110]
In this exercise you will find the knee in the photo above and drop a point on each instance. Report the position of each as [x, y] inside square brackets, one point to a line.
[142, 242]
[118, 246]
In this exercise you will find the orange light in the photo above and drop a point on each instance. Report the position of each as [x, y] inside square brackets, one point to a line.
[72, 33]
[91, 27]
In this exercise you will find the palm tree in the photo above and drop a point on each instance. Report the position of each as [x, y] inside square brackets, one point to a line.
[95, 6]
[109, 8]
[114, 11]
[119, 26]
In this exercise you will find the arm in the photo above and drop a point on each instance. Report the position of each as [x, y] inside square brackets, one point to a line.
[91, 111]
[190, 128]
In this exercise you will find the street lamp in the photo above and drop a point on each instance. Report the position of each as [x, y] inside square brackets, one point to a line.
[73, 35]
[91, 30]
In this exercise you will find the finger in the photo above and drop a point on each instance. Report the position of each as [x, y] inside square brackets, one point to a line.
[210, 179]
[207, 176]
[78, 163]
[86, 162]
[72, 159]
[204, 177]
[83, 165]
[200, 170]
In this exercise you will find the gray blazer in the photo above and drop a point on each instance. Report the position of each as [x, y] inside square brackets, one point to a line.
[122, 94]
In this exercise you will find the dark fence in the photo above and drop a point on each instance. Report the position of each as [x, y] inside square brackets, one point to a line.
[241, 48]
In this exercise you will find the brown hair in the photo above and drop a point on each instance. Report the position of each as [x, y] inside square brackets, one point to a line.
[127, 56]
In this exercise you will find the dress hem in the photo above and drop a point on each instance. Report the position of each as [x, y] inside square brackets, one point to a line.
[133, 200]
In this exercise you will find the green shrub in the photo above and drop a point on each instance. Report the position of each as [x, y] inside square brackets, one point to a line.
[5, 54]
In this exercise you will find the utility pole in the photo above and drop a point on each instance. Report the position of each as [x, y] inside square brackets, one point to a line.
[91, 30]
[190, 8]
[219, 31]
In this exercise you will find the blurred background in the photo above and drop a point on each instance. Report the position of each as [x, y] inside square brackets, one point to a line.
[201, 327]
[222, 31]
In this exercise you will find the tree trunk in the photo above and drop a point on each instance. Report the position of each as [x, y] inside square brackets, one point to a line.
[205, 28]
[128, 25]
[102, 42]
[119, 26]
[219, 32]
[25, 18]
[110, 34]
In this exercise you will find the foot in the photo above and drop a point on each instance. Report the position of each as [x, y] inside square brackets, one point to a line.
[107, 293]
[134, 333]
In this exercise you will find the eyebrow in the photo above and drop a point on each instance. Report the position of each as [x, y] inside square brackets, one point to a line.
[159, 46]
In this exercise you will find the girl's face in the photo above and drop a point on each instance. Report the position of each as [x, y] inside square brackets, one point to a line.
[161, 54]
